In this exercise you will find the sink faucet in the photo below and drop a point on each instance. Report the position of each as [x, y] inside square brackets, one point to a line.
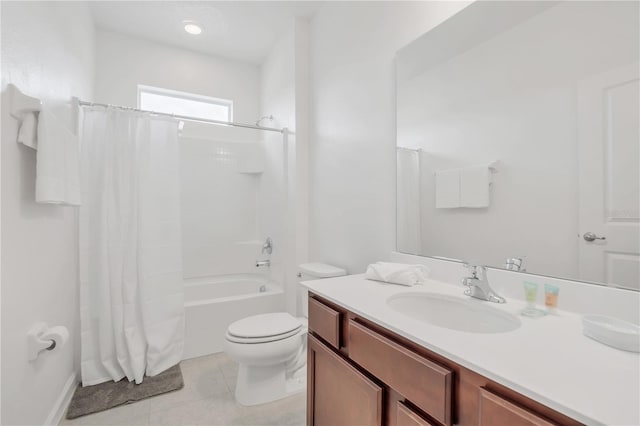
[478, 286]
[515, 264]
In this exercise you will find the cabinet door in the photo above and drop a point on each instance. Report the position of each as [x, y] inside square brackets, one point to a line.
[405, 416]
[497, 411]
[338, 394]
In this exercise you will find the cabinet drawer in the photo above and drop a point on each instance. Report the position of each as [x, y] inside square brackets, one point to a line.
[325, 322]
[338, 394]
[495, 410]
[405, 416]
[423, 382]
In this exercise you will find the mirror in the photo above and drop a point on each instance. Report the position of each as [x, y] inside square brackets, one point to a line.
[518, 141]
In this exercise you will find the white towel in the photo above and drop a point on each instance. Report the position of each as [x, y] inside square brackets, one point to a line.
[397, 273]
[57, 162]
[448, 189]
[474, 187]
[27, 135]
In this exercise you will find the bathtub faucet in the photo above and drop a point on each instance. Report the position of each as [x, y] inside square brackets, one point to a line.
[265, 262]
[267, 247]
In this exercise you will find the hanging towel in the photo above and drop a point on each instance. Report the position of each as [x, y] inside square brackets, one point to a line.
[474, 186]
[447, 189]
[27, 135]
[57, 162]
[397, 273]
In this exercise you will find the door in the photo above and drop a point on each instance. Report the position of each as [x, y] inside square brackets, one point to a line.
[338, 394]
[609, 177]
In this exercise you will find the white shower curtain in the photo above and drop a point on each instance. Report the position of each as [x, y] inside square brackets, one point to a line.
[130, 260]
[409, 222]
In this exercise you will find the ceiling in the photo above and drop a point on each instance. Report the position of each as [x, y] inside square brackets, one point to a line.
[241, 30]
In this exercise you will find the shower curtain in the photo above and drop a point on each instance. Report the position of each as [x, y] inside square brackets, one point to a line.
[409, 229]
[130, 260]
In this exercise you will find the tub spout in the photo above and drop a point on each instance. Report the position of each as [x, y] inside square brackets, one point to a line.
[260, 263]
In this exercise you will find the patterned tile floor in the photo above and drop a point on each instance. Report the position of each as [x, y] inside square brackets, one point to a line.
[206, 399]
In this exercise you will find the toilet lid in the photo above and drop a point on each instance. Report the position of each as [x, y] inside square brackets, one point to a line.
[265, 325]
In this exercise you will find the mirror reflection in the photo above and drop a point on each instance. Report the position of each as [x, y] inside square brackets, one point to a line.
[518, 140]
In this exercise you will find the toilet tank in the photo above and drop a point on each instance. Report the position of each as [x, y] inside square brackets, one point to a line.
[315, 271]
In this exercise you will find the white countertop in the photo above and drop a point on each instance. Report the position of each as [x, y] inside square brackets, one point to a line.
[547, 359]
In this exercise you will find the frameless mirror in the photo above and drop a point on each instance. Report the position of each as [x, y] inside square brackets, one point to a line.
[518, 141]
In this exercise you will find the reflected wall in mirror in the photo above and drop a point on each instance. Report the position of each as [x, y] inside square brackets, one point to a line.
[518, 138]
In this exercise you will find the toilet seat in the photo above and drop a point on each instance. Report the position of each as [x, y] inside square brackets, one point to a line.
[263, 328]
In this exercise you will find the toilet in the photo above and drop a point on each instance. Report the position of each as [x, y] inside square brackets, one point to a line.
[271, 349]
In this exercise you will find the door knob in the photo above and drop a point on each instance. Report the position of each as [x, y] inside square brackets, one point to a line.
[590, 236]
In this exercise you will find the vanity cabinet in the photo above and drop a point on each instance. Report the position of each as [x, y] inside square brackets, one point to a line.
[362, 374]
[342, 395]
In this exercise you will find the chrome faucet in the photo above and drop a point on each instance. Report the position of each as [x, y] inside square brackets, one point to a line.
[478, 286]
[265, 262]
[267, 247]
[515, 264]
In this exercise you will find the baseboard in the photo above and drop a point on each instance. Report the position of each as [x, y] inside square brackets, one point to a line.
[60, 407]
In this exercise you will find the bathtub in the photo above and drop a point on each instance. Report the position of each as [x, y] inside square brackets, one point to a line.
[211, 304]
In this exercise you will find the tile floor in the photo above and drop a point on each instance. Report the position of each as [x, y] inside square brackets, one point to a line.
[206, 399]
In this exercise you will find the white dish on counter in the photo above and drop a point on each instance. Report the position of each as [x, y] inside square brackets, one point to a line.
[613, 332]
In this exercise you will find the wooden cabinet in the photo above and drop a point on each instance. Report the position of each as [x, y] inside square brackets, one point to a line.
[423, 382]
[361, 374]
[405, 416]
[338, 394]
[496, 410]
[325, 322]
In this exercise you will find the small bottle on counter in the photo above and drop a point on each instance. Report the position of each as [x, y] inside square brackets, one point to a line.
[531, 294]
[551, 293]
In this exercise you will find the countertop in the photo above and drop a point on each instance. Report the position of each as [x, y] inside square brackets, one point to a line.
[547, 359]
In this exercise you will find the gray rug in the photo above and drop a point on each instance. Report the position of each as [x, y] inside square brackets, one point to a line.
[91, 399]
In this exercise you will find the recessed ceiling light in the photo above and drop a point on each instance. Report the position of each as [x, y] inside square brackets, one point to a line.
[192, 28]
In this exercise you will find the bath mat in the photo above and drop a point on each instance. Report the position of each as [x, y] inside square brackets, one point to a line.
[92, 399]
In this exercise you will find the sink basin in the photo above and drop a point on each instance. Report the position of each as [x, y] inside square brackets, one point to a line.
[455, 313]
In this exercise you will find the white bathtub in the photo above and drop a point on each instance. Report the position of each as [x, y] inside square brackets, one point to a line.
[211, 304]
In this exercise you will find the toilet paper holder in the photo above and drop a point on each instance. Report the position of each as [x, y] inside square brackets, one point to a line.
[40, 338]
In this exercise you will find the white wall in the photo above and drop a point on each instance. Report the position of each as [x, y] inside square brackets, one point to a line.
[283, 191]
[277, 98]
[514, 99]
[47, 51]
[220, 234]
[352, 176]
[123, 62]
[221, 226]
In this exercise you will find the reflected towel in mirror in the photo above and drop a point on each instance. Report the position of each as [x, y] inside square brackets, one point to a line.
[448, 189]
[474, 186]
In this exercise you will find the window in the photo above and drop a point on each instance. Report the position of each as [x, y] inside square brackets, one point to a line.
[182, 103]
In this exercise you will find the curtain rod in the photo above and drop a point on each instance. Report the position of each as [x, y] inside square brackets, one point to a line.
[184, 117]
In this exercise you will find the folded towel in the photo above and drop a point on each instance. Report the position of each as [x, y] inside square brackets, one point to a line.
[397, 273]
[57, 162]
[474, 187]
[27, 135]
[447, 189]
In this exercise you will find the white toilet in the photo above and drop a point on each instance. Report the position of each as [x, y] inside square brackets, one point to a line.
[272, 348]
